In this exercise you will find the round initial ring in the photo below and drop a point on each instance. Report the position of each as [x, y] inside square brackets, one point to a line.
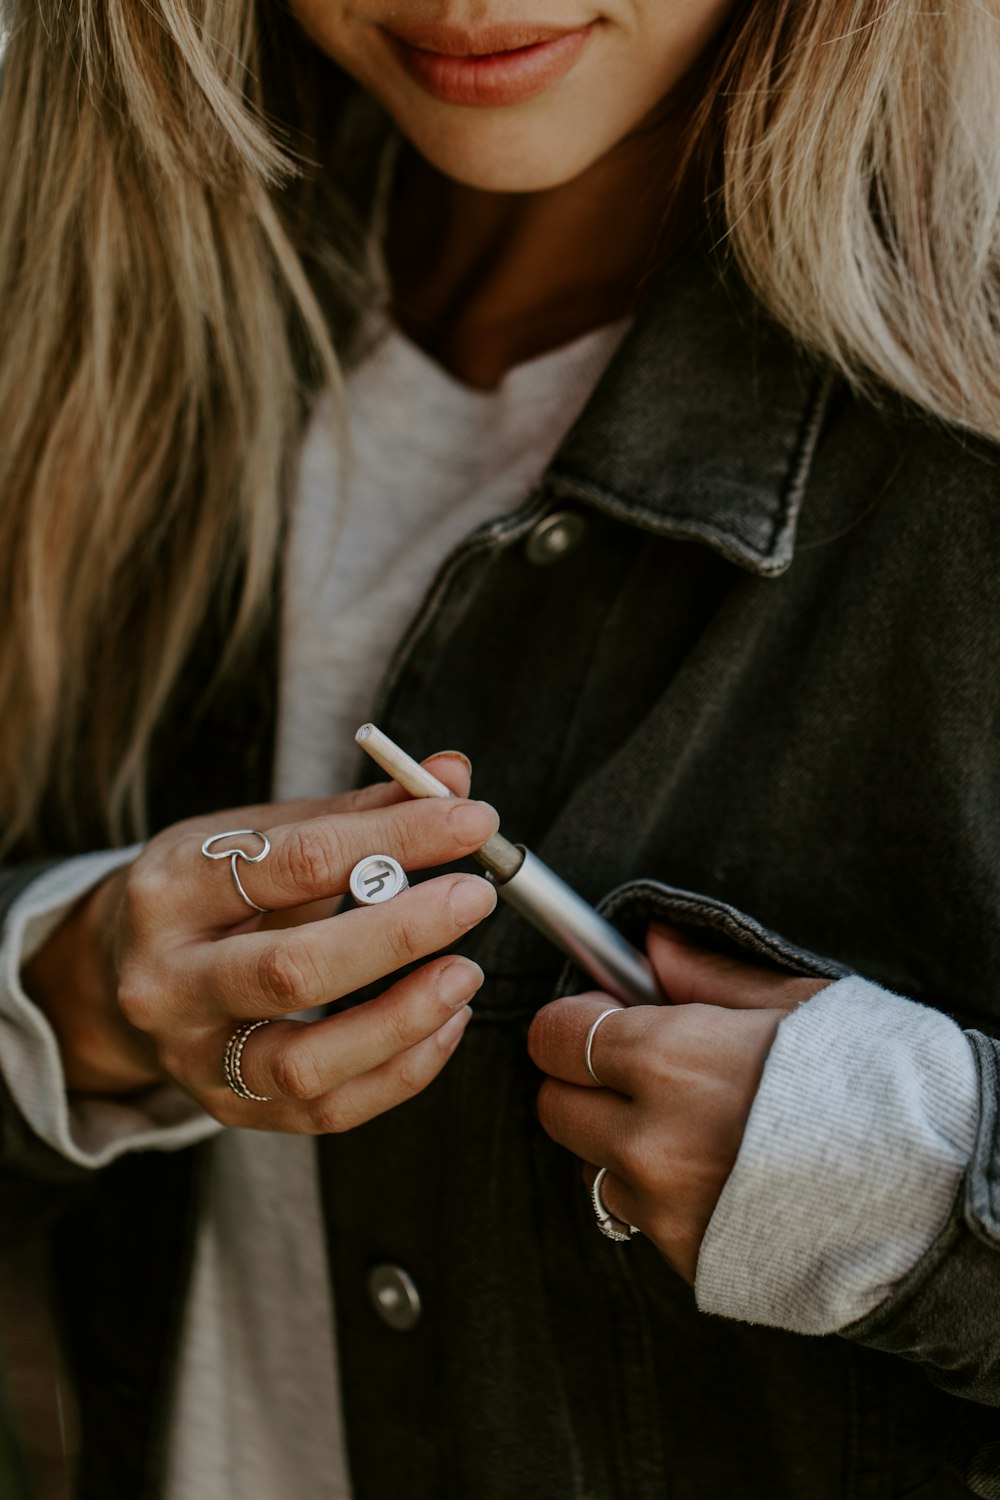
[234, 855]
[377, 878]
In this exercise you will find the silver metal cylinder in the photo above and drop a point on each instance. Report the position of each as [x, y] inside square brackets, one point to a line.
[560, 915]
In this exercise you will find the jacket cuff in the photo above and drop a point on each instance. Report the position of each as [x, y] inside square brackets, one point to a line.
[850, 1164]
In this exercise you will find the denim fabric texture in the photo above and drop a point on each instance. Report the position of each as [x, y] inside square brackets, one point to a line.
[763, 683]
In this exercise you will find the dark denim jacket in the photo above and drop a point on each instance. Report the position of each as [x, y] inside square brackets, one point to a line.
[764, 680]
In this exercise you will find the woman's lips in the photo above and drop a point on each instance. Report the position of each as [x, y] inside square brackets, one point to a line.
[492, 67]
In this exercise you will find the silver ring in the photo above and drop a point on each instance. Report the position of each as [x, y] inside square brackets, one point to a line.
[232, 1063]
[615, 1229]
[587, 1056]
[234, 854]
[377, 878]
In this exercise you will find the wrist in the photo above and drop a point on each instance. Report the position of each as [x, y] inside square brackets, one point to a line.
[71, 979]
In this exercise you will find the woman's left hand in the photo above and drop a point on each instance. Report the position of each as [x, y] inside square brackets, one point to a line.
[679, 1080]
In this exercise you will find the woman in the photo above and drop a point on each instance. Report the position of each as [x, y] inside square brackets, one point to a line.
[652, 345]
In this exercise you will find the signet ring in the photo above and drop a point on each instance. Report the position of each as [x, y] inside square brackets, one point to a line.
[377, 878]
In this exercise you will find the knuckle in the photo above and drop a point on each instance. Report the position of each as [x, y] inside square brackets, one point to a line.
[135, 996]
[145, 889]
[396, 1025]
[286, 976]
[411, 1076]
[408, 940]
[401, 826]
[310, 860]
[684, 1032]
[333, 1116]
[295, 1072]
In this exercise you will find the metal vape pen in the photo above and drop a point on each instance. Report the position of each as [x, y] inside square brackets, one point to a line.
[528, 885]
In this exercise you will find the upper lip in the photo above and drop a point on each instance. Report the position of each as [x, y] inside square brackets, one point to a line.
[479, 41]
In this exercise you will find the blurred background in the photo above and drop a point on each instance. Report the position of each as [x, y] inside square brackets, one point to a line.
[39, 1433]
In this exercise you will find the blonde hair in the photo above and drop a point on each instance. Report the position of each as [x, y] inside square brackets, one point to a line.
[162, 324]
[861, 189]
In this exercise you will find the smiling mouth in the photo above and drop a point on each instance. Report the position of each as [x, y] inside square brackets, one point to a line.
[489, 66]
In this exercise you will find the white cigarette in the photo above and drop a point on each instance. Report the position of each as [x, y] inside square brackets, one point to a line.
[499, 855]
[409, 773]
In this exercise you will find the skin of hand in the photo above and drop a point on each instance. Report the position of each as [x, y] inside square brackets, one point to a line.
[678, 1082]
[149, 976]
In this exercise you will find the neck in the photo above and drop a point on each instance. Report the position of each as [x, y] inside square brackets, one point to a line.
[484, 280]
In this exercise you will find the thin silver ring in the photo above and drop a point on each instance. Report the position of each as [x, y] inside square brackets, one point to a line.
[587, 1056]
[615, 1229]
[234, 854]
[232, 1063]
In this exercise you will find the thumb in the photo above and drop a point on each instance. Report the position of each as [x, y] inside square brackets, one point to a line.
[691, 975]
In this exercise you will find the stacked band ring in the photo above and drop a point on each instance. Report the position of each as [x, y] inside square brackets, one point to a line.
[232, 1062]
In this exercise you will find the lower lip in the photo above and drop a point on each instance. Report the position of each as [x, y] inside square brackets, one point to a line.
[498, 78]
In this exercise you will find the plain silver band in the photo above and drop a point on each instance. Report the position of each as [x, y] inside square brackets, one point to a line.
[234, 854]
[232, 1063]
[614, 1229]
[590, 1042]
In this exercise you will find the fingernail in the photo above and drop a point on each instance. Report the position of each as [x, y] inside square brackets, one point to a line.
[471, 899]
[451, 1033]
[454, 755]
[473, 823]
[459, 982]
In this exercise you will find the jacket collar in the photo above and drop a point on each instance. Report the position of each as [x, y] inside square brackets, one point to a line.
[704, 425]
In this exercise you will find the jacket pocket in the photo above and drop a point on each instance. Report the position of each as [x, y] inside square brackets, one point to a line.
[714, 924]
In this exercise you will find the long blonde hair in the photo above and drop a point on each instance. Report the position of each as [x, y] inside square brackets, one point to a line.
[162, 322]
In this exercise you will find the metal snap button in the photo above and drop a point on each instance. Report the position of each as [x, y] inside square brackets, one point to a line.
[554, 536]
[394, 1297]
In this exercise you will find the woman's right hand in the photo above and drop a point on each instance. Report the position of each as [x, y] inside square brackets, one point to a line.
[150, 976]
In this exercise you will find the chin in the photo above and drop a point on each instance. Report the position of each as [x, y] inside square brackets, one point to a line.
[501, 160]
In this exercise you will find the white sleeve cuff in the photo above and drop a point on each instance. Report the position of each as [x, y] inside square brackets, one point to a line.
[856, 1144]
[89, 1131]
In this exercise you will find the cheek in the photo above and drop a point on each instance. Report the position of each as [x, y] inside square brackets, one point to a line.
[327, 24]
[671, 35]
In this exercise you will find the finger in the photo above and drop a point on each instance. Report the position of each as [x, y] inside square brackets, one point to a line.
[557, 1041]
[694, 976]
[264, 974]
[392, 1084]
[303, 1061]
[594, 1124]
[449, 766]
[312, 859]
